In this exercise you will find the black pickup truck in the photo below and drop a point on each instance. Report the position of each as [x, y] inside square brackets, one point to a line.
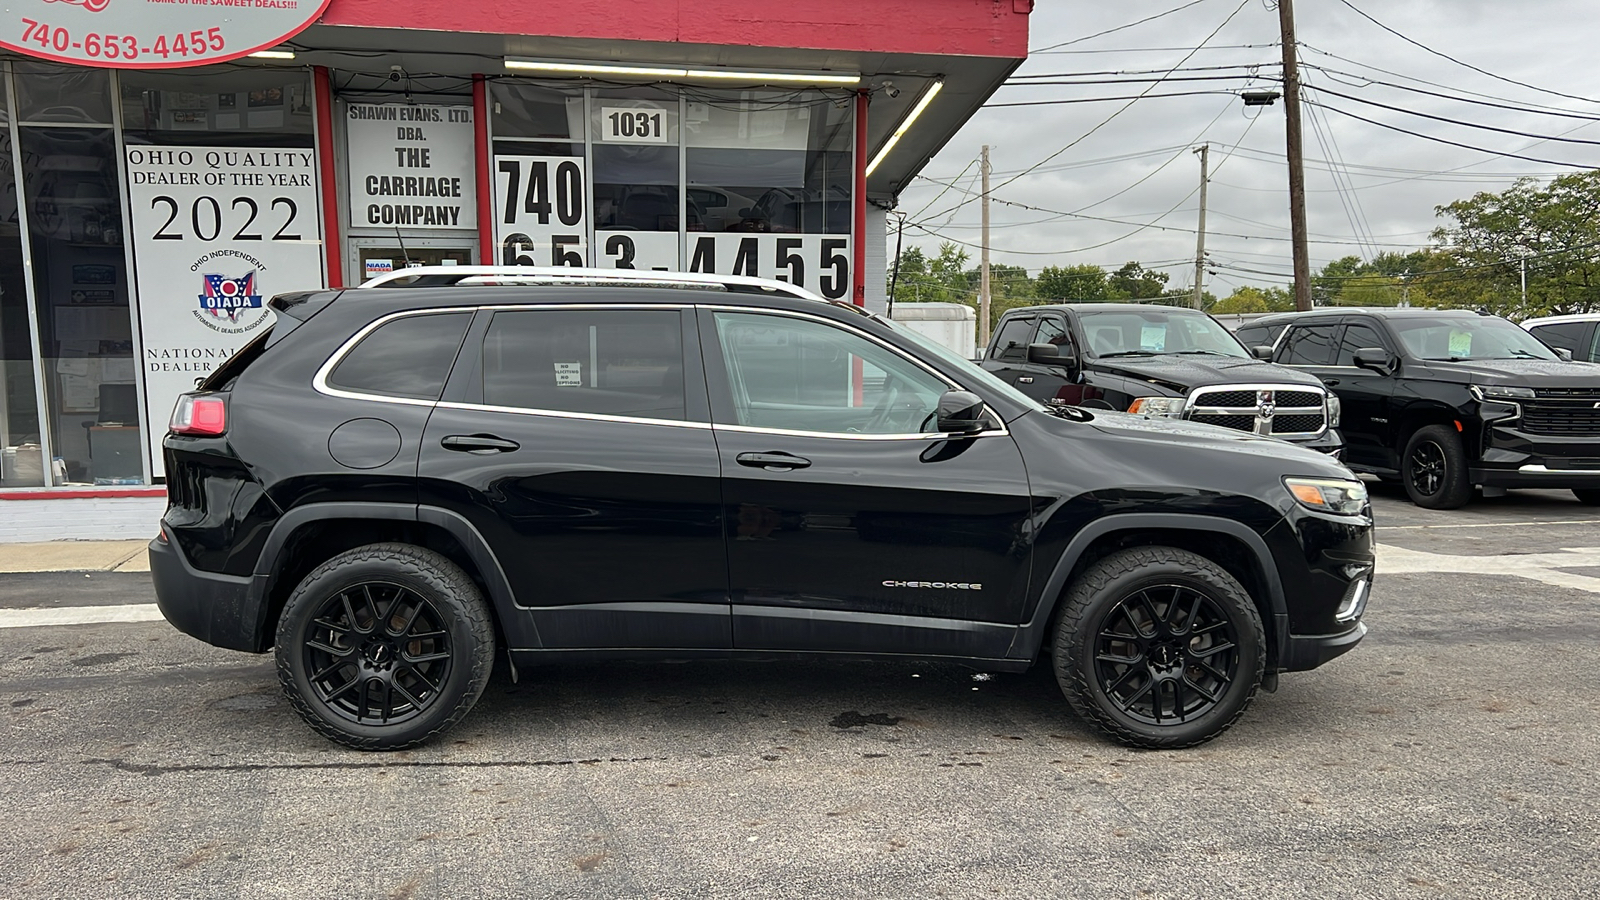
[1162, 361]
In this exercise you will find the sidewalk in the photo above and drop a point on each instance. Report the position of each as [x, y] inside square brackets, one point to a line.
[75, 556]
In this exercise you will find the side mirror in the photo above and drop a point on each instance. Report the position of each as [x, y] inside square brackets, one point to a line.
[1564, 353]
[1051, 355]
[961, 412]
[1262, 352]
[1377, 359]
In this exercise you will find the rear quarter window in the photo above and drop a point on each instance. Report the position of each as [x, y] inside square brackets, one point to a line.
[407, 357]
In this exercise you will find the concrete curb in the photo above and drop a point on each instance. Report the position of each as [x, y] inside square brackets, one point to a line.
[74, 556]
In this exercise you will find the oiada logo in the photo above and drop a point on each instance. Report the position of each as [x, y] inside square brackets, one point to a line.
[90, 5]
[229, 298]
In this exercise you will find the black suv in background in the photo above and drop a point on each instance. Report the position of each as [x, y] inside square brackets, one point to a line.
[571, 464]
[1160, 361]
[1445, 400]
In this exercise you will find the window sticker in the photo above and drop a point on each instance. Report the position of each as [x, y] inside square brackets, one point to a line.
[1460, 343]
[569, 374]
[1153, 337]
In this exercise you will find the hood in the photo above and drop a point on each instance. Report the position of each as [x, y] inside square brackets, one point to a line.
[1178, 434]
[1534, 373]
[1184, 373]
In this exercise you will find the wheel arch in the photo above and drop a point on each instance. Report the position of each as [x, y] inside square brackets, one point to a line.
[309, 535]
[1418, 417]
[1230, 544]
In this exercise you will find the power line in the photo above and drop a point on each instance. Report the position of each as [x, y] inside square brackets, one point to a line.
[1429, 137]
[1448, 87]
[1107, 72]
[1163, 49]
[1534, 109]
[1091, 37]
[1412, 112]
[1100, 100]
[1458, 62]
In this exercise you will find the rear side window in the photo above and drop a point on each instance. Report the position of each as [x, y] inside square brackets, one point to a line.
[1564, 336]
[612, 362]
[1310, 345]
[407, 357]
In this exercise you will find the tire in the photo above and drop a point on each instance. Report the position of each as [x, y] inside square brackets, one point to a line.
[1587, 496]
[1434, 468]
[1174, 686]
[359, 682]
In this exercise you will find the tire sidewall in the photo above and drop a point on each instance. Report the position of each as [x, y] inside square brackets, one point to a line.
[1455, 491]
[341, 573]
[1248, 636]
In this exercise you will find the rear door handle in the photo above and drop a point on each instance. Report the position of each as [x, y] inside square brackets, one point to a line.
[481, 444]
[773, 461]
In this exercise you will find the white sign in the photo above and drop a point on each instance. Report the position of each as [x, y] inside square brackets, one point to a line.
[152, 34]
[645, 250]
[816, 262]
[411, 166]
[623, 125]
[217, 231]
[541, 210]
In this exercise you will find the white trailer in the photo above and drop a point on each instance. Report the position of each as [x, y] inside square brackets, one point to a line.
[953, 325]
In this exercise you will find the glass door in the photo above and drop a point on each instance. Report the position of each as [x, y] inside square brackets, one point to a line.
[371, 257]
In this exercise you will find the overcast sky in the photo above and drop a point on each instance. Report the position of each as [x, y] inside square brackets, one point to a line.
[1397, 179]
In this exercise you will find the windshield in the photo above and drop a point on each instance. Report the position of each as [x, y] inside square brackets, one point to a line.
[1463, 337]
[961, 368]
[1157, 331]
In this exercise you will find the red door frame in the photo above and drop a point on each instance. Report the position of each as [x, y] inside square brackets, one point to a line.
[488, 253]
[332, 246]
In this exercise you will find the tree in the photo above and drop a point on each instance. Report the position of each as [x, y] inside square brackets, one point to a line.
[1248, 299]
[1556, 230]
[1073, 284]
[941, 279]
[1135, 282]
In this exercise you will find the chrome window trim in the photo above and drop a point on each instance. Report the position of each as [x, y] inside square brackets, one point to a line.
[564, 414]
[319, 381]
[949, 383]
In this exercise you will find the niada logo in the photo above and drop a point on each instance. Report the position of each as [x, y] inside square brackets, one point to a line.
[90, 5]
[229, 304]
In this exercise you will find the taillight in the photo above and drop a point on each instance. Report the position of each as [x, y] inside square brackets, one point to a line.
[204, 414]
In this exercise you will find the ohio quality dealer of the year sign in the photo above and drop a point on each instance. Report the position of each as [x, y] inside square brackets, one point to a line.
[151, 34]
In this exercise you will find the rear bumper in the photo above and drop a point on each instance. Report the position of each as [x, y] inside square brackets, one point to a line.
[224, 610]
[1308, 651]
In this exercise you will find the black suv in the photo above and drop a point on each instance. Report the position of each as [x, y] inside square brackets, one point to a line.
[1443, 400]
[570, 464]
[1161, 361]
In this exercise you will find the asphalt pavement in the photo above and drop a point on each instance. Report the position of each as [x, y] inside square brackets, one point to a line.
[1452, 754]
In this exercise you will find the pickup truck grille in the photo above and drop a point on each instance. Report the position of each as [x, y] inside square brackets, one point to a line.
[1561, 418]
[1277, 410]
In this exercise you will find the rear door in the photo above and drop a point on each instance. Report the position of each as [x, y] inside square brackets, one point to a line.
[853, 525]
[576, 440]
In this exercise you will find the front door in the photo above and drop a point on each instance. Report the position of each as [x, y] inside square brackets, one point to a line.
[1366, 396]
[577, 442]
[853, 526]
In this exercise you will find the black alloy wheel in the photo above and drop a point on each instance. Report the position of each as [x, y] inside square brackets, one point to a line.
[1159, 647]
[385, 646]
[1434, 468]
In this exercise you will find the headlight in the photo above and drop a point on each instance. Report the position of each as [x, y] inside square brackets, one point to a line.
[1500, 392]
[1158, 406]
[1329, 495]
[1334, 410]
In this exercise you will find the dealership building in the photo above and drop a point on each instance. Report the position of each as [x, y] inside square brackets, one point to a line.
[166, 166]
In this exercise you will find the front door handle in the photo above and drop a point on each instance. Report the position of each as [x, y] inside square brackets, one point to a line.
[1026, 379]
[773, 461]
[1330, 382]
[481, 444]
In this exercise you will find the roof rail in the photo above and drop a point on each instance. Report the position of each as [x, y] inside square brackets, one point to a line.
[443, 276]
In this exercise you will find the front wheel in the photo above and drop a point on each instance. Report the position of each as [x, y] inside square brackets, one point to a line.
[385, 646]
[1159, 648]
[1434, 468]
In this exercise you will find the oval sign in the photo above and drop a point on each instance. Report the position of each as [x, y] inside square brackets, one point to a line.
[152, 34]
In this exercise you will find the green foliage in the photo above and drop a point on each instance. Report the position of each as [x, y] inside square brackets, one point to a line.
[1072, 284]
[1250, 299]
[1135, 282]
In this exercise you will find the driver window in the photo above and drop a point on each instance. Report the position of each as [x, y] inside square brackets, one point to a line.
[802, 375]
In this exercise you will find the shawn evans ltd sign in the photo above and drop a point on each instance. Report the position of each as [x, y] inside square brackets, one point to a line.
[152, 34]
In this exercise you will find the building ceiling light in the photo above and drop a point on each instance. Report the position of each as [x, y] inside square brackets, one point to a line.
[600, 69]
[272, 54]
[922, 104]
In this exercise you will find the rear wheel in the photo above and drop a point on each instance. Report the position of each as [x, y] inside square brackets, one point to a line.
[1159, 648]
[385, 646]
[1434, 468]
[1587, 496]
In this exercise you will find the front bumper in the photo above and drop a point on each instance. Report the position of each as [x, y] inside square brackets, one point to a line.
[1539, 474]
[1308, 651]
[1513, 458]
[223, 610]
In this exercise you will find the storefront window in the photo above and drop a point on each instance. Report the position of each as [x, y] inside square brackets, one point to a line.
[768, 161]
[21, 456]
[72, 195]
[62, 94]
[541, 195]
[636, 177]
[266, 107]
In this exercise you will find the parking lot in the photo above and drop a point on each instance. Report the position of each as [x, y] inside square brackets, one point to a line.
[1452, 754]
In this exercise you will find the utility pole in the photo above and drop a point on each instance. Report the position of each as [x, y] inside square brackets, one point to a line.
[983, 269]
[1524, 261]
[1200, 242]
[1297, 172]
